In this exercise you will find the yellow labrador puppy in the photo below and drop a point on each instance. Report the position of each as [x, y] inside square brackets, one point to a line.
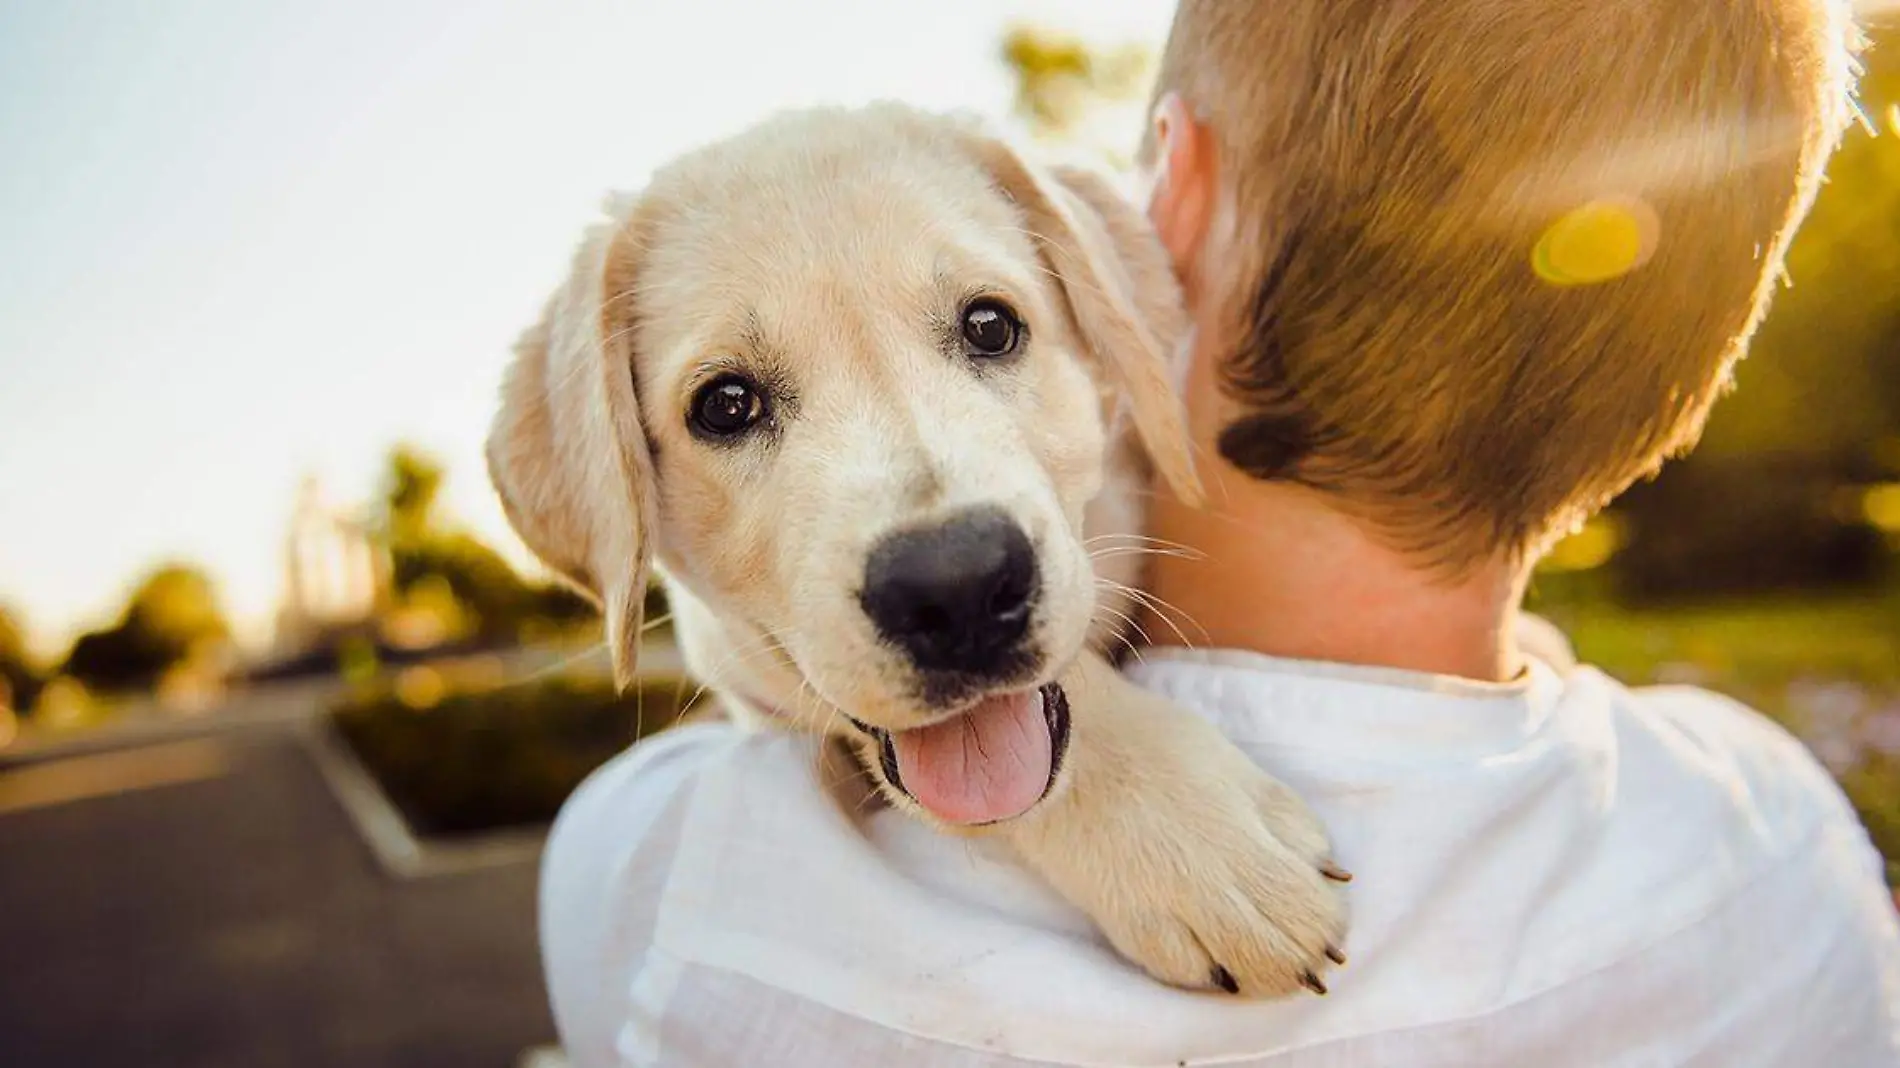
[854, 381]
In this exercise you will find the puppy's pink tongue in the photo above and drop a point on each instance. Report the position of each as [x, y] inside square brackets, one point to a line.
[988, 764]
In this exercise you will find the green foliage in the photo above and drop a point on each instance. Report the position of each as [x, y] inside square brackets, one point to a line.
[485, 759]
[1815, 419]
[173, 615]
[483, 583]
[411, 487]
[12, 637]
[1753, 650]
[430, 557]
[1761, 525]
[1064, 83]
[1824, 373]
[1052, 75]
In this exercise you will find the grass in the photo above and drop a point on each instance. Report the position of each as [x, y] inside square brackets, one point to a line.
[1753, 651]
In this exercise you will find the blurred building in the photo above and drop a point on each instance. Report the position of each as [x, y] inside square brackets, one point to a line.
[336, 574]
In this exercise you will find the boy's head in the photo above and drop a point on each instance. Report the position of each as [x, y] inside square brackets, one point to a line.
[1471, 267]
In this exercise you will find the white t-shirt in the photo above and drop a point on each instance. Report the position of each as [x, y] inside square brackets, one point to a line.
[1554, 872]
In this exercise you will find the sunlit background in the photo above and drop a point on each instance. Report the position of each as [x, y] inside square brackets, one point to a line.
[284, 707]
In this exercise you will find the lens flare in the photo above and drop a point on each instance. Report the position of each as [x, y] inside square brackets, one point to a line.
[1595, 242]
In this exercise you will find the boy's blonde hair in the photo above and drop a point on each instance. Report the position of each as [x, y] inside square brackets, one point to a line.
[1390, 168]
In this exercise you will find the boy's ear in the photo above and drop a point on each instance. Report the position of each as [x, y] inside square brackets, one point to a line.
[566, 452]
[1184, 189]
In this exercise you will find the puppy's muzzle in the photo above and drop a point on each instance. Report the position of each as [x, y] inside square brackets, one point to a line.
[956, 597]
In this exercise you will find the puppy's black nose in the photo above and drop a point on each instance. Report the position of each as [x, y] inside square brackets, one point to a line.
[954, 597]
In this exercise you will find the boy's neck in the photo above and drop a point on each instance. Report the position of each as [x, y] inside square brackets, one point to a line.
[1275, 569]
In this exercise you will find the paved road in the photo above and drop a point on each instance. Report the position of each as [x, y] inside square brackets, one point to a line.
[225, 914]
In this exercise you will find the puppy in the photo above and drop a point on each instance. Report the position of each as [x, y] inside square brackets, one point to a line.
[865, 386]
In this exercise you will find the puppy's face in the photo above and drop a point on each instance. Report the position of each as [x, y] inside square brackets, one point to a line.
[853, 368]
[873, 430]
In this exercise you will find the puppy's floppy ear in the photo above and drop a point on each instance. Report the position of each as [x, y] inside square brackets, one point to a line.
[1120, 288]
[566, 452]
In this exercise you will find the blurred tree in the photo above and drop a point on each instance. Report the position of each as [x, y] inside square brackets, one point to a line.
[1823, 376]
[172, 616]
[411, 486]
[451, 573]
[19, 679]
[1071, 93]
[1814, 422]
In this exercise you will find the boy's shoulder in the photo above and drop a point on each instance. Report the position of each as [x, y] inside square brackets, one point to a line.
[1728, 799]
[1704, 734]
[612, 853]
[1770, 771]
[641, 792]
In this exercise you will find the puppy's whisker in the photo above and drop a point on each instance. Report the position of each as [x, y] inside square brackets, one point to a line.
[1113, 552]
[610, 339]
[1066, 280]
[1141, 539]
[837, 736]
[1130, 535]
[1127, 620]
[561, 665]
[1209, 508]
[831, 715]
[626, 295]
[1114, 637]
[1163, 610]
[738, 655]
[1128, 623]
[679, 694]
[1163, 607]
[629, 294]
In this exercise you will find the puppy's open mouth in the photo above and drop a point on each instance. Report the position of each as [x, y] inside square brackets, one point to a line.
[989, 763]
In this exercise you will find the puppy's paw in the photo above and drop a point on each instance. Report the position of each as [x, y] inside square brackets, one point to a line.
[1195, 864]
[1235, 891]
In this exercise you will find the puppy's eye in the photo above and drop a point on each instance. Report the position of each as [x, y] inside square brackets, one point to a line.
[726, 406]
[990, 329]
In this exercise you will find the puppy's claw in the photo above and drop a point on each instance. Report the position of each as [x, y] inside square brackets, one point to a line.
[1311, 982]
[1333, 954]
[1333, 871]
[1225, 980]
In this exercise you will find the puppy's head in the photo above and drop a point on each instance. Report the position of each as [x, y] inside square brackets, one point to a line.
[847, 377]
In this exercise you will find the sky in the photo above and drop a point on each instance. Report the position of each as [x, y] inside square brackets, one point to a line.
[243, 241]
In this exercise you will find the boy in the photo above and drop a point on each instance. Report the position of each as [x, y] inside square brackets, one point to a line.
[1461, 270]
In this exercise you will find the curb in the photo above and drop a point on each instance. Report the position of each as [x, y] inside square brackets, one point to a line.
[396, 848]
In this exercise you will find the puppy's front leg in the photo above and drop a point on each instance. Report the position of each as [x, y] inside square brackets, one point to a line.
[1197, 865]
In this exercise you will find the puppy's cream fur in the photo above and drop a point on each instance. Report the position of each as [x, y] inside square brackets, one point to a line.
[827, 253]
